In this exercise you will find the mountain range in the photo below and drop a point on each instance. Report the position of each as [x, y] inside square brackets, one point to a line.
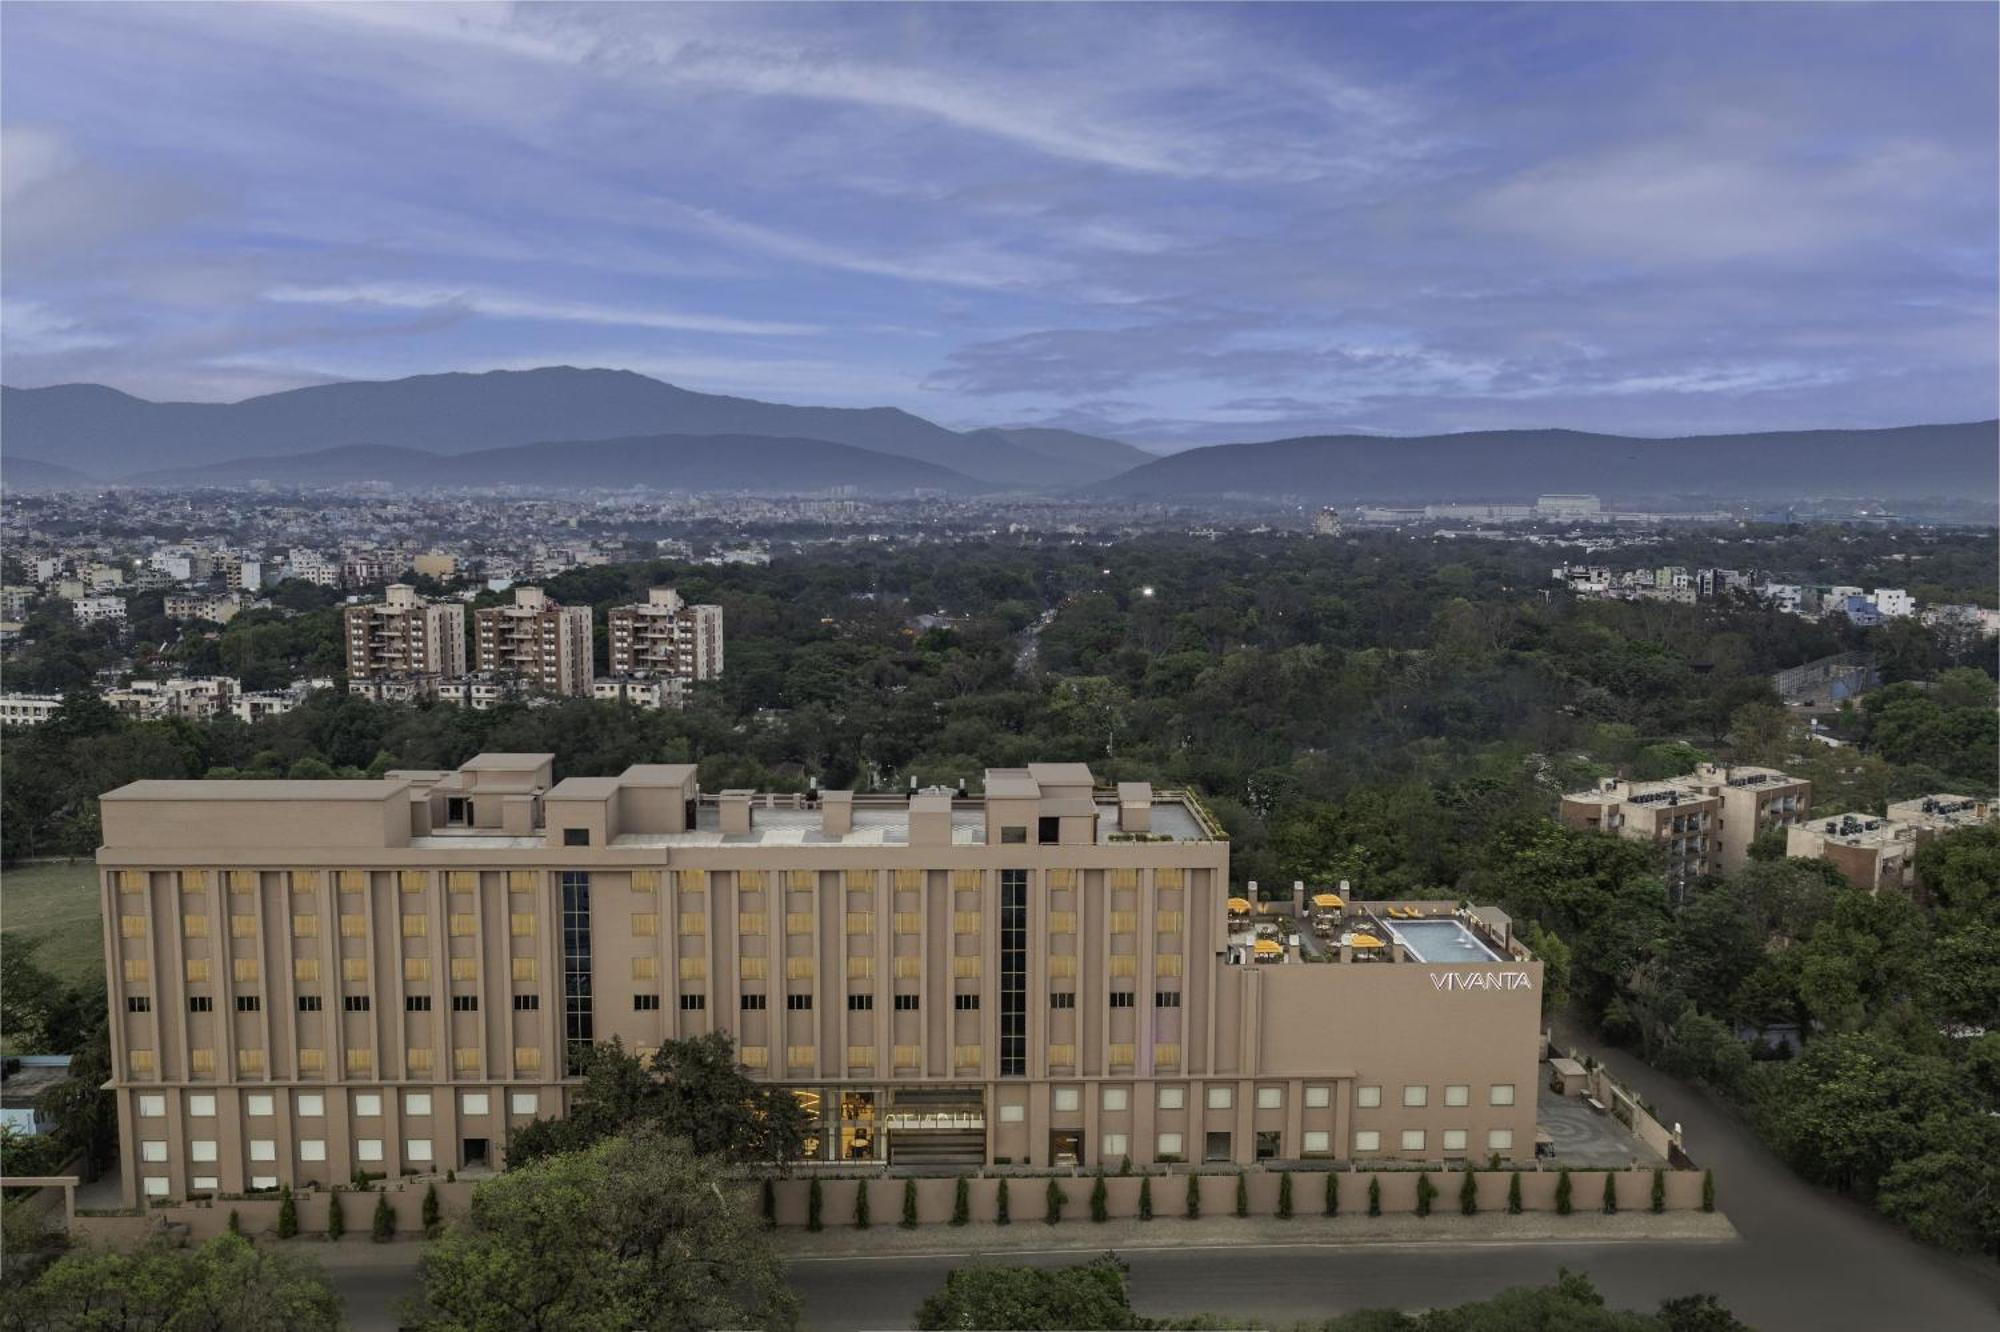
[560, 427]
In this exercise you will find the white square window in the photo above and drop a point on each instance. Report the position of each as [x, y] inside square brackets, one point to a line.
[1367, 1098]
[368, 1149]
[259, 1104]
[416, 1103]
[1413, 1140]
[1173, 1098]
[263, 1181]
[1013, 1114]
[1117, 1098]
[152, 1107]
[1068, 1098]
[1416, 1095]
[1270, 1098]
[312, 1149]
[526, 1103]
[1169, 1145]
[209, 1182]
[417, 1149]
[1501, 1093]
[1116, 1145]
[1221, 1098]
[153, 1151]
[475, 1103]
[1318, 1098]
[156, 1186]
[1500, 1140]
[201, 1149]
[312, 1105]
[367, 1104]
[263, 1149]
[1318, 1142]
[1457, 1094]
[1367, 1140]
[201, 1106]
[1454, 1140]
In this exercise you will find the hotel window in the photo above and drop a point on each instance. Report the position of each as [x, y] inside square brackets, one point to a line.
[152, 1107]
[194, 926]
[1013, 1114]
[131, 927]
[965, 1003]
[1454, 1140]
[1270, 1098]
[353, 925]
[1367, 1140]
[354, 1003]
[138, 1003]
[1501, 1093]
[1221, 1098]
[138, 969]
[416, 1003]
[312, 1105]
[799, 1003]
[1117, 1098]
[464, 924]
[260, 1105]
[645, 1003]
[527, 1058]
[465, 1003]
[309, 1003]
[1167, 999]
[524, 968]
[475, 1103]
[200, 1003]
[1063, 999]
[578, 1022]
[153, 1151]
[1367, 1098]
[263, 1149]
[1172, 1098]
[207, 1183]
[1013, 973]
[1416, 1094]
[1457, 1094]
[1067, 1098]
[354, 968]
[368, 1149]
[249, 1003]
[465, 1059]
[244, 969]
[141, 1061]
[1167, 1144]
[367, 1104]
[416, 1149]
[418, 1059]
[197, 969]
[906, 1003]
[415, 926]
[1500, 1140]
[416, 1103]
[312, 1149]
[1319, 1097]
[156, 1186]
[1011, 835]
[312, 1060]
[242, 927]
[305, 969]
[575, 837]
[750, 1003]
[1413, 1140]
[1116, 1144]
[524, 1103]
[1318, 1142]
[860, 1003]
[305, 926]
[527, 1003]
[464, 969]
[1121, 998]
[694, 1003]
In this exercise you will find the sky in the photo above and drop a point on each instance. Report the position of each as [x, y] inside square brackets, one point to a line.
[1172, 224]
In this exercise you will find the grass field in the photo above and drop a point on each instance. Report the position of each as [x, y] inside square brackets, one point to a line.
[57, 905]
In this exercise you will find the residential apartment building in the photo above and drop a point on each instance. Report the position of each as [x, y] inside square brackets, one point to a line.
[640, 690]
[541, 642]
[404, 638]
[1874, 852]
[28, 709]
[1704, 821]
[310, 978]
[664, 636]
[98, 610]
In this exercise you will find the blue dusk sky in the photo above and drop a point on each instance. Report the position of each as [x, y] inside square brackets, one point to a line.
[1174, 224]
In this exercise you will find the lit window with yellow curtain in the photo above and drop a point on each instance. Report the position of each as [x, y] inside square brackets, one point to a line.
[410, 881]
[194, 880]
[304, 881]
[1124, 922]
[694, 922]
[353, 925]
[1062, 964]
[750, 881]
[305, 969]
[645, 924]
[521, 881]
[643, 968]
[800, 1056]
[802, 880]
[861, 922]
[524, 968]
[356, 881]
[1167, 964]
[1062, 922]
[1124, 878]
[138, 969]
[461, 881]
[798, 922]
[752, 922]
[754, 1056]
[966, 880]
[1170, 878]
[249, 1061]
[908, 880]
[1169, 922]
[1121, 1054]
[691, 968]
[129, 881]
[909, 922]
[798, 968]
[131, 927]
[197, 969]
[965, 1056]
[417, 1059]
[312, 1060]
[755, 968]
[1062, 1056]
[645, 881]
[243, 881]
[416, 969]
[244, 968]
[1124, 964]
[354, 968]
[1062, 878]
[464, 924]
[201, 1061]
[521, 924]
[360, 1060]
[416, 925]
[141, 1061]
[242, 927]
[465, 968]
[966, 967]
[194, 926]
[1166, 1054]
[527, 1058]
[967, 922]
[465, 1059]
[305, 927]
[907, 1056]
[860, 1058]
[858, 880]
[909, 968]
[691, 880]
[861, 968]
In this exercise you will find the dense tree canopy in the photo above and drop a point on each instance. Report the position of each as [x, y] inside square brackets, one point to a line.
[224, 1283]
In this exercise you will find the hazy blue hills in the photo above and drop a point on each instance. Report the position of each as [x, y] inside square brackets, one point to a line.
[111, 434]
[33, 474]
[758, 463]
[1900, 463]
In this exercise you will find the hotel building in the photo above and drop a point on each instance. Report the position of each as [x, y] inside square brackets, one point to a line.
[313, 977]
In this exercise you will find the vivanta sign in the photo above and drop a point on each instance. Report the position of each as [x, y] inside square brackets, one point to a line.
[1482, 980]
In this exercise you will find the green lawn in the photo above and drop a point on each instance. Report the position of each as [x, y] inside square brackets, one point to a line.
[58, 905]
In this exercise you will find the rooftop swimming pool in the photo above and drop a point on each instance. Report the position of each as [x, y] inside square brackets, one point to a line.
[1443, 941]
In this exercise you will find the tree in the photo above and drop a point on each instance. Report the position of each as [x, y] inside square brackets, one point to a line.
[1146, 1198]
[1085, 1296]
[1100, 1199]
[1514, 1194]
[961, 1202]
[1285, 1194]
[384, 1227]
[1374, 1195]
[1708, 1190]
[1468, 1193]
[1193, 1212]
[861, 1205]
[433, 1219]
[1332, 1204]
[1610, 1192]
[1659, 1196]
[909, 1221]
[288, 1213]
[1056, 1199]
[336, 1222]
[1000, 1215]
[235, 1226]
[225, 1283]
[627, 1233]
[1242, 1194]
[814, 1203]
[1565, 1191]
[1426, 1191]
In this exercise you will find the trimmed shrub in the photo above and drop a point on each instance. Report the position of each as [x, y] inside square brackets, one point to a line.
[1242, 1195]
[235, 1223]
[1468, 1194]
[861, 1206]
[814, 1202]
[1610, 1192]
[1708, 1190]
[1194, 1197]
[1100, 1200]
[1125, 1164]
[1000, 1216]
[1146, 1198]
[767, 1204]
[1055, 1204]
[1332, 1207]
[909, 1221]
[1426, 1191]
[336, 1224]
[383, 1228]
[288, 1213]
[1564, 1193]
[1285, 1194]
[961, 1202]
[1659, 1189]
[433, 1216]
[1514, 1194]
[1374, 1195]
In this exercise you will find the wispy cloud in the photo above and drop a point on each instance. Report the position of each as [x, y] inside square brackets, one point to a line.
[503, 305]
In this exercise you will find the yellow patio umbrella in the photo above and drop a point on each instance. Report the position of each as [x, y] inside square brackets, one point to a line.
[1330, 901]
[1268, 947]
[1240, 905]
[1364, 941]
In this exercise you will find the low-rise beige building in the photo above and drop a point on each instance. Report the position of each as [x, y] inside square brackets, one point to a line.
[1873, 851]
[1703, 821]
[313, 977]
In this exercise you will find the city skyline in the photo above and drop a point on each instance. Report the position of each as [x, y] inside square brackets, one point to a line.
[1175, 226]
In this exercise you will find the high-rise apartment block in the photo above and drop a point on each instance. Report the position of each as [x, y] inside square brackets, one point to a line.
[1703, 821]
[664, 636]
[404, 645]
[542, 643]
[313, 977]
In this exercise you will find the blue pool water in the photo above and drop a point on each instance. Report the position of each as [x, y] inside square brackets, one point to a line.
[1441, 941]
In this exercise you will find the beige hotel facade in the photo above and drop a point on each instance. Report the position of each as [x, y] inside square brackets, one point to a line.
[313, 977]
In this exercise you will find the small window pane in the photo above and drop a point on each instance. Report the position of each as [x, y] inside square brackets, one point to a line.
[1221, 1098]
[1367, 1098]
[1318, 1098]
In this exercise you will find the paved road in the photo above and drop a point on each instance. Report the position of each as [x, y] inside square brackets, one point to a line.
[1807, 1262]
